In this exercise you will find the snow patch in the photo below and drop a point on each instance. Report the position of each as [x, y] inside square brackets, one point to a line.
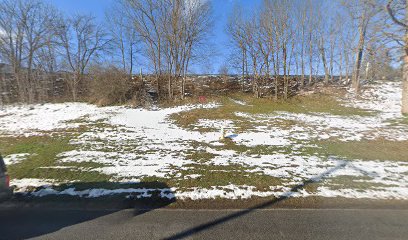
[242, 103]
[33, 119]
[22, 185]
[15, 158]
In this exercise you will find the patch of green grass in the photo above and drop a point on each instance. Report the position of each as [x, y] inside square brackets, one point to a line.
[79, 186]
[43, 152]
[221, 175]
[46, 146]
[82, 164]
[315, 103]
[200, 152]
[319, 102]
[217, 175]
[368, 149]
[399, 121]
[339, 182]
[312, 187]
[69, 175]
[190, 118]
[345, 182]
[255, 150]
[354, 182]
[200, 156]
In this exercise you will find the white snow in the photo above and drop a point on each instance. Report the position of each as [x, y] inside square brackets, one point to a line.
[272, 137]
[23, 185]
[34, 119]
[384, 97]
[242, 103]
[159, 144]
[15, 158]
[215, 124]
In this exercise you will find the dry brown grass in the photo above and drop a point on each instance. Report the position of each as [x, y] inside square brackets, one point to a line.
[109, 86]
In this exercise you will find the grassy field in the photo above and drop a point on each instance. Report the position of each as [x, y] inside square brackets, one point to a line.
[279, 145]
[315, 103]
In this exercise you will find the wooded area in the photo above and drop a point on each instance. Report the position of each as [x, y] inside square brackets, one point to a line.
[277, 50]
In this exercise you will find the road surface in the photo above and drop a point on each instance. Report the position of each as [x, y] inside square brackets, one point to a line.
[204, 224]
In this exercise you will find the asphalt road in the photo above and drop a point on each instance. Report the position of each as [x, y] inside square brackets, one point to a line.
[204, 224]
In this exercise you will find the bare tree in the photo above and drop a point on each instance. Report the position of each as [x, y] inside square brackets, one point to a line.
[123, 35]
[26, 29]
[327, 40]
[12, 38]
[323, 34]
[171, 31]
[363, 11]
[235, 28]
[82, 40]
[284, 36]
[198, 26]
[312, 37]
[148, 20]
[304, 14]
[224, 71]
[403, 23]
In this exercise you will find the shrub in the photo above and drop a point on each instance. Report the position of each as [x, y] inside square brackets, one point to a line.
[109, 86]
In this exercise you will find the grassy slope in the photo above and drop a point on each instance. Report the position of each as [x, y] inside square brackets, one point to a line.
[316, 103]
[45, 149]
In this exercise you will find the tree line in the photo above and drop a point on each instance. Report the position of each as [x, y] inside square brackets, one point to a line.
[306, 38]
[279, 42]
[36, 38]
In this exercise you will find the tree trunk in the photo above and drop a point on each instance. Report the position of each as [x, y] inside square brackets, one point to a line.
[131, 61]
[183, 82]
[2, 81]
[326, 70]
[341, 67]
[302, 60]
[170, 88]
[404, 24]
[347, 65]
[356, 74]
[74, 94]
[359, 54]
[277, 76]
[404, 102]
[310, 59]
[331, 62]
[246, 67]
[255, 79]
[183, 87]
[285, 82]
[75, 82]
[243, 70]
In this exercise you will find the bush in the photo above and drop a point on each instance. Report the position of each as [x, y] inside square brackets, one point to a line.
[110, 86]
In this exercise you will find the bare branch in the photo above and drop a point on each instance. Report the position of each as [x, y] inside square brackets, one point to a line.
[393, 17]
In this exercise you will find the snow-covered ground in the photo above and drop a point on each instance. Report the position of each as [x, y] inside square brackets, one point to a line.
[31, 120]
[135, 143]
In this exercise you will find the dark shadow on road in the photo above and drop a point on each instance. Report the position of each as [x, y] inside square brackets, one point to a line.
[26, 216]
[205, 226]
